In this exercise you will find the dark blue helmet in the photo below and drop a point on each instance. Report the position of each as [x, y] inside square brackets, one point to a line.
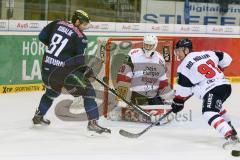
[184, 43]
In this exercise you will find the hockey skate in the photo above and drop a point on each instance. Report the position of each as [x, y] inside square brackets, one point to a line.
[38, 119]
[232, 143]
[94, 127]
[233, 129]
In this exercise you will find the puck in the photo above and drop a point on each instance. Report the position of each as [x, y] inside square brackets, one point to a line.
[235, 153]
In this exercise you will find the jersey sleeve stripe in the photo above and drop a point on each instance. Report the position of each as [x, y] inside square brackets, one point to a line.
[184, 81]
[123, 78]
[219, 55]
[218, 123]
[163, 84]
[222, 112]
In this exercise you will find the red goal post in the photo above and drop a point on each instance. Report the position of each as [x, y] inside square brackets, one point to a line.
[115, 46]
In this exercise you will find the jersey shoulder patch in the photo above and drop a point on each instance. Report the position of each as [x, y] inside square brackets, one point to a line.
[184, 81]
[219, 54]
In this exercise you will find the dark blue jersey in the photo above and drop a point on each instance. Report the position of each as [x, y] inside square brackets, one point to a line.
[66, 46]
[64, 42]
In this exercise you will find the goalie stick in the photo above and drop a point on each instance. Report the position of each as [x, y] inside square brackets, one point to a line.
[136, 135]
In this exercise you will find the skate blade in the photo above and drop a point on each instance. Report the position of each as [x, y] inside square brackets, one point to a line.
[231, 146]
[38, 126]
[92, 134]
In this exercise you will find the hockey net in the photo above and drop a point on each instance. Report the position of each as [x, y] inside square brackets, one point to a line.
[112, 51]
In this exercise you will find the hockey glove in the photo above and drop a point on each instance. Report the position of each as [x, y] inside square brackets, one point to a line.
[177, 105]
[88, 73]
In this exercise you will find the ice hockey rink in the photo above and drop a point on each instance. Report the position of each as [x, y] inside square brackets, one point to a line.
[184, 139]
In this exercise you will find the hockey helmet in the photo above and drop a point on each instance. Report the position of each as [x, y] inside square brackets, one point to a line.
[81, 15]
[149, 40]
[184, 43]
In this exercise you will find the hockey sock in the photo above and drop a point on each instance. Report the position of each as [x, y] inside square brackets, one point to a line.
[91, 108]
[45, 104]
[223, 113]
[218, 122]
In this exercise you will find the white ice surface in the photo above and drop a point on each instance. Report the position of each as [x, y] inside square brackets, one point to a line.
[61, 140]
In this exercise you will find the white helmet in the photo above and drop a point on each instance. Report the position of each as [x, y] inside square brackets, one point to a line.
[151, 41]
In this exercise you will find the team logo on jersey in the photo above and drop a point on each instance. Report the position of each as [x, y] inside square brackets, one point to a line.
[151, 70]
[218, 104]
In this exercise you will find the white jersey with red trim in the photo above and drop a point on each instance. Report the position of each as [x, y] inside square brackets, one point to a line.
[199, 72]
[144, 73]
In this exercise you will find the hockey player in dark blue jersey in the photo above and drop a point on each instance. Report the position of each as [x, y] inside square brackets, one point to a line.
[64, 61]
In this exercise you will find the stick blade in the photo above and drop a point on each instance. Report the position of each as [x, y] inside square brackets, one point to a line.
[235, 153]
[128, 134]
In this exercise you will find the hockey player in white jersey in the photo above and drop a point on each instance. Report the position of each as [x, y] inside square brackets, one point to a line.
[143, 76]
[201, 74]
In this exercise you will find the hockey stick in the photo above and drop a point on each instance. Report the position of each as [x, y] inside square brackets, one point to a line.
[138, 109]
[134, 106]
[136, 135]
